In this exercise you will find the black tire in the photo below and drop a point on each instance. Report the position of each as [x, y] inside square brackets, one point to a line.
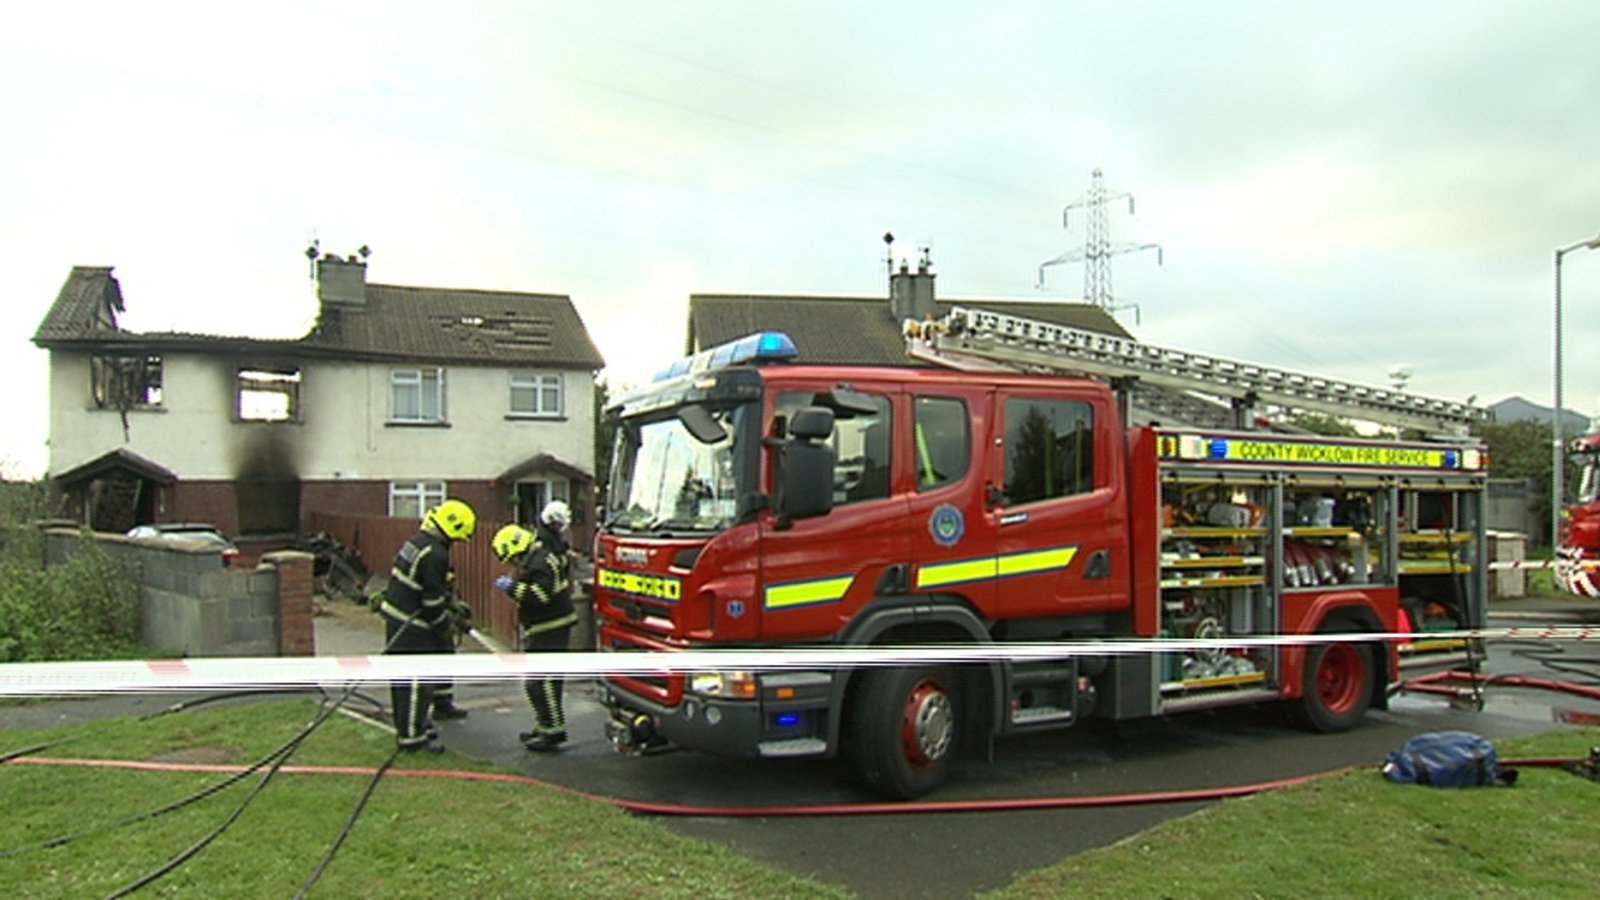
[1336, 687]
[904, 724]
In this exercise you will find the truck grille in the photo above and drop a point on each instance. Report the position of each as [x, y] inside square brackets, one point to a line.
[664, 688]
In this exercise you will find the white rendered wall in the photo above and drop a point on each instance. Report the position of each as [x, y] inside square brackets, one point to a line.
[343, 433]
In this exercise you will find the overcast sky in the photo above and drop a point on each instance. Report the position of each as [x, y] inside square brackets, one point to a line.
[1337, 188]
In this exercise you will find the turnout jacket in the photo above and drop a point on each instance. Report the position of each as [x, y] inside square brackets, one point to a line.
[543, 585]
[419, 590]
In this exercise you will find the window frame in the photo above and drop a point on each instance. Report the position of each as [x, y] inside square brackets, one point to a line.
[538, 383]
[399, 378]
[1084, 482]
[919, 402]
[424, 492]
[115, 377]
[860, 490]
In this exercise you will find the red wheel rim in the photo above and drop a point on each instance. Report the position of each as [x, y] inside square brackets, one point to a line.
[927, 724]
[1339, 678]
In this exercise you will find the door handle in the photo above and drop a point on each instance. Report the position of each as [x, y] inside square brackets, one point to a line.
[1098, 566]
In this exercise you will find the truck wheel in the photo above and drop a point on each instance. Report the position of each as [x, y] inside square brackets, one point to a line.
[904, 729]
[1336, 687]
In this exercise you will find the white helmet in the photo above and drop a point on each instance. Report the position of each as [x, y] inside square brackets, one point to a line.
[556, 514]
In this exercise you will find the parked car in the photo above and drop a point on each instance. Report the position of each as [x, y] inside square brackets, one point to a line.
[199, 533]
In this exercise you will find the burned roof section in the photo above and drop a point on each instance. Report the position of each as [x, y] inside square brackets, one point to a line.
[374, 322]
[85, 308]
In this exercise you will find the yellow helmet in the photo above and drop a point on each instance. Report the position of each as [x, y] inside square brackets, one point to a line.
[453, 519]
[512, 541]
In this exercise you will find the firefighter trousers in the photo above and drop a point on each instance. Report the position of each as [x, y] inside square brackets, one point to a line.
[412, 698]
[544, 693]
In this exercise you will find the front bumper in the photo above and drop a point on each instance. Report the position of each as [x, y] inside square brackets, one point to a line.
[792, 716]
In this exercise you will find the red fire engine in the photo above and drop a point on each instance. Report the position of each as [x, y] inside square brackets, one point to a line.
[758, 502]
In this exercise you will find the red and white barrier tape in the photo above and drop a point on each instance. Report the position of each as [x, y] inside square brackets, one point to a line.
[237, 673]
[1587, 564]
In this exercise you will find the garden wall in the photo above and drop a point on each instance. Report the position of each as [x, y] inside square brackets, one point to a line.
[193, 604]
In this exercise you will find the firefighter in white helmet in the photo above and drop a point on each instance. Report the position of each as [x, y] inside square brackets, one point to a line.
[542, 588]
[420, 610]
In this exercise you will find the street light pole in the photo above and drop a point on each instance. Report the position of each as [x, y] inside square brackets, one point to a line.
[1558, 460]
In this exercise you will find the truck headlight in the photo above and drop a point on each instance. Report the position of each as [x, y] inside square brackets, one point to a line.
[737, 685]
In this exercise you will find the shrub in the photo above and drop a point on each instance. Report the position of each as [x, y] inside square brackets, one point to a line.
[87, 607]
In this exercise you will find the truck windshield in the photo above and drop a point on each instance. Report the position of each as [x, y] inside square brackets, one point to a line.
[664, 478]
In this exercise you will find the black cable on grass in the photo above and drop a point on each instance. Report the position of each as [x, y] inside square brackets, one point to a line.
[349, 824]
[284, 754]
[185, 705]
[180, 706]
[172, 864]
[282, 750]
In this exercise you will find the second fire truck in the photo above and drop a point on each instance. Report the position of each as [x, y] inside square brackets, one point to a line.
[759, 502]
[1578, 543]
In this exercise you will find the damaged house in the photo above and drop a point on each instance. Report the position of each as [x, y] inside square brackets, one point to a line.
[398, 397]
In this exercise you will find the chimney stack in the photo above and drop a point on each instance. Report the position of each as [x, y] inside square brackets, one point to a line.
[911, 293]
[342, 282]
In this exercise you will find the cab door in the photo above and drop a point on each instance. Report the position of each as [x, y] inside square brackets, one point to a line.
[816, 573]
[1060, 518]
[951, 528]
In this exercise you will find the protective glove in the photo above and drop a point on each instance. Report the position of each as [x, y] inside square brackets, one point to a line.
[504, 583]
[462, 613]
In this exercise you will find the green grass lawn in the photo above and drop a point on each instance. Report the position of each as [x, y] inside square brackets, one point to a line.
[1355, 834]
[1347, 835]
[417, 837]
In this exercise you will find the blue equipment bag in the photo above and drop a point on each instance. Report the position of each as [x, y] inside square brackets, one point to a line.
[1447, 759]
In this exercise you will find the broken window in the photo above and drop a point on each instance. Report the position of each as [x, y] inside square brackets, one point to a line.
[269, 395]
[125, 382]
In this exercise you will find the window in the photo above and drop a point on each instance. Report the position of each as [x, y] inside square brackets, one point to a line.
[944, 445]
[536, 395]
[125, 382]
[269, 395]
[416, 395]
[1049, 449]
[860, 448]
[410, 499]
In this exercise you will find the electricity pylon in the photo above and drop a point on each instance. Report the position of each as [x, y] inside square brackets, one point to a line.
[1098, 248]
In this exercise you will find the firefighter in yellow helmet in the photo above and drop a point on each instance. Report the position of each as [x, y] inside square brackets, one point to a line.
[421, 611]
[542, 588]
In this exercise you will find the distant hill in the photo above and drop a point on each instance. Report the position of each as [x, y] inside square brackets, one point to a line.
[1517, 409]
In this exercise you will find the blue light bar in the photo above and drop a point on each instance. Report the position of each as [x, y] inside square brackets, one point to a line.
[763, 346]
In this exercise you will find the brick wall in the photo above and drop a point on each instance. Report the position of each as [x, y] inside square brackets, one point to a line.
[192, 604]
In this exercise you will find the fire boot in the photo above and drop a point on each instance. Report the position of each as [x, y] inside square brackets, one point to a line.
[543, 743]
[447, 709]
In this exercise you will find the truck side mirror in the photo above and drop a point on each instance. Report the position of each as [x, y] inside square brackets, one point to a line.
[803, 470]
